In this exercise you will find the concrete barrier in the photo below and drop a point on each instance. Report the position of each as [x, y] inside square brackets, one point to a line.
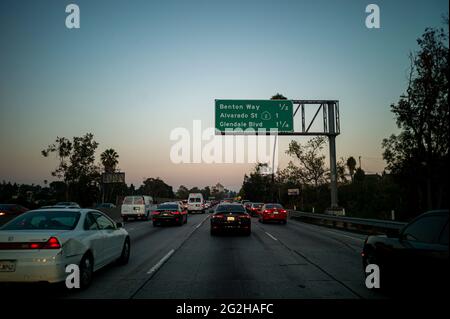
[361, 225]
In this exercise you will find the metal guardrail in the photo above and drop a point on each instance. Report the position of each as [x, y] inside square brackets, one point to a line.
[361, 224]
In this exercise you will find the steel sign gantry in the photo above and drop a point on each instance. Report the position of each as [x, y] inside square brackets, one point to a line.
[330, 128]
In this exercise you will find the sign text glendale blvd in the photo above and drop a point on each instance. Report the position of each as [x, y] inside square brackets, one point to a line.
[254, 114]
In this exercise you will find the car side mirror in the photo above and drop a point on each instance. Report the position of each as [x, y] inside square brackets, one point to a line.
[119, 225]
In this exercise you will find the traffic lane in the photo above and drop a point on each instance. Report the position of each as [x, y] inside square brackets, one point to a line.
[233, 266]
[336, 253]
[148, 246]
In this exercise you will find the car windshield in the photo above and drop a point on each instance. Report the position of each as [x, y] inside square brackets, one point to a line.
[168, 207]
[42, 220]
[271, 206]
[195, 200]
[230, 208]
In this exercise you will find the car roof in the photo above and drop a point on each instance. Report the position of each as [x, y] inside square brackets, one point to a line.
[171, 203]
[436, 212]
[65, 209]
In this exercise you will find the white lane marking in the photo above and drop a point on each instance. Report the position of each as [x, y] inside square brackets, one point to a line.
[161, 262]
[199, 225]
[271, 236]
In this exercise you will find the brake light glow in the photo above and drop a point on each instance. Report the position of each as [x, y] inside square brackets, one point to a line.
[282, 211]
[218, 216]
[52, 243]
[155, 213]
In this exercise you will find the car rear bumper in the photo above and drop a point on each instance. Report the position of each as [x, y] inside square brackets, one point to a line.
[167, 219]
[36, 268]
[274, 217]
[224, 226]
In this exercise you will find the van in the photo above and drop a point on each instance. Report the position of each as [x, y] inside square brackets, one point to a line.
[137, 207]
[196, 203]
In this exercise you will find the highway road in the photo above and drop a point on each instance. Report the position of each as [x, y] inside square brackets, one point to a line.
[296, 260]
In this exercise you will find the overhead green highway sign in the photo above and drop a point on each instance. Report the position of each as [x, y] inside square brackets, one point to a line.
[254, 114]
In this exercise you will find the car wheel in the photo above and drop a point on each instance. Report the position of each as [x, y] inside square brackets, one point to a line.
[86, 271]
[125, 256]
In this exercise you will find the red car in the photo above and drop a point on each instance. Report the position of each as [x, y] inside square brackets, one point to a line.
[273, 212]
[255, 208]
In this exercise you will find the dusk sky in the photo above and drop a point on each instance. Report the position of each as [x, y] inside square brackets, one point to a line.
[136, 70]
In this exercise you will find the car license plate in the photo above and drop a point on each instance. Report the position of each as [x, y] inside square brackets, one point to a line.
[275, 213]
[165, 214]
[7, 266]
[230, 219]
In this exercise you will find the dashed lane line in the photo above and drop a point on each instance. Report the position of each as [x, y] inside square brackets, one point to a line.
[166, 257]
[271, 236]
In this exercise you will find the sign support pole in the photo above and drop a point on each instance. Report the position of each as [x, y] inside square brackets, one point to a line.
[273, 167]
[332, 144]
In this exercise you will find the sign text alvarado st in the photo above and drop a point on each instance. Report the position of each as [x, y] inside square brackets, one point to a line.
[254, 114]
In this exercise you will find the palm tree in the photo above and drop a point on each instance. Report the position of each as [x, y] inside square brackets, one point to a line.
[351, 164]
[109, 159]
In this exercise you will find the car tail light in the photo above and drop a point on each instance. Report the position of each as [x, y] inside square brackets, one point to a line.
[244, 216]
[266, 211]
[175, 213]
[218, 216]
[282, 211]
[52, 243]
[155, 213]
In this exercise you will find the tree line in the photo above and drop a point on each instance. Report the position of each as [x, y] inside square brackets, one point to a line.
[415, 177]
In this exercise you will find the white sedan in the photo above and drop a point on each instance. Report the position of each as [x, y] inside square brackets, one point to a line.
[38, 245]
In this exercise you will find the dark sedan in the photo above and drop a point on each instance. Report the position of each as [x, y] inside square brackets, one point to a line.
[172, 213]
[230, 217]
[416, 257]
[10, 211]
